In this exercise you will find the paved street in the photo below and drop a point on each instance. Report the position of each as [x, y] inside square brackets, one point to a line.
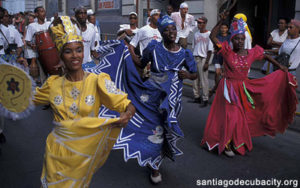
[22, 156]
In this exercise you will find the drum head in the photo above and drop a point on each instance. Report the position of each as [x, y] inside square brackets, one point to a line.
[16, 91]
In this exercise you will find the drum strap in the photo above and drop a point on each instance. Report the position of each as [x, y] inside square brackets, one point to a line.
[4, 36]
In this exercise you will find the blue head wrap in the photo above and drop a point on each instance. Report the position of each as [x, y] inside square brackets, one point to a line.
[237, 27]
[163, 22]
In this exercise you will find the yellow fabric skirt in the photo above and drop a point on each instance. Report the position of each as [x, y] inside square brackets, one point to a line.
[75, 149]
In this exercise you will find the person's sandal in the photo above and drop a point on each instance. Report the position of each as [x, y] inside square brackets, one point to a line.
[156, 179]
[229, 152]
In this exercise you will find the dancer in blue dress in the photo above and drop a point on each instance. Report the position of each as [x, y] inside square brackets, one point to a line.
[160, 101]
[152, 133]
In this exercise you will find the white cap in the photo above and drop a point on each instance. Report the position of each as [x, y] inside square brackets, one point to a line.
[184, 5]
[90, 12]
[154, 11]
[133, 13]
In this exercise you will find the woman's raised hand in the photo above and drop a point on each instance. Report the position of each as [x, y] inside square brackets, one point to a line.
[224, 15]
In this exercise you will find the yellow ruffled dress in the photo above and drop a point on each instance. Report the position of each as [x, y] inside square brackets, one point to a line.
[80, 142]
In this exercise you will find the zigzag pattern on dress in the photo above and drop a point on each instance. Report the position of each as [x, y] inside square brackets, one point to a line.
[175, 104]
[106, 50]
[121, 143]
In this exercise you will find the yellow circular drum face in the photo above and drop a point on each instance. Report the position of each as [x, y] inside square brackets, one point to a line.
[16, 88]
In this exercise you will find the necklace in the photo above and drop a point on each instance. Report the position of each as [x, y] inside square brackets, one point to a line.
[73, 108]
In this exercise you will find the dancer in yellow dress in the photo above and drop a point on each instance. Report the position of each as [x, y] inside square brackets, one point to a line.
[80, 141]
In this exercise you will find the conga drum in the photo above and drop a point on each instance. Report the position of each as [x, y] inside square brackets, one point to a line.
[48, 54]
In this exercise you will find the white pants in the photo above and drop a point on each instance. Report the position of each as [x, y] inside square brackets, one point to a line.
[202, 79]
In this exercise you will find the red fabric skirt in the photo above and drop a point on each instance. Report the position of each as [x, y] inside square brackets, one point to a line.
[234, 119]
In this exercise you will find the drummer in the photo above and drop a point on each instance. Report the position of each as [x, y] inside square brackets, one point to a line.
[88, 34]
[11, 35]
[33, 28]
[3, 42]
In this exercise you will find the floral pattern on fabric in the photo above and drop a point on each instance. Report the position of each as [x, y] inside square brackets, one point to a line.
[111, 87]
[58, 100]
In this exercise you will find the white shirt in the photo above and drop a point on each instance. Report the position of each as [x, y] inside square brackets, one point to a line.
[148, 21]
[34, 28]
[97, 33]
[2, 44]
[287, 47]
[14, 36]
[28, 52]
[31, 30]
[97, 37]
[279, 38]
[127, 26]
[189, 25]
[144, 36]
[88, 37]
[202, 44]
[4, 38]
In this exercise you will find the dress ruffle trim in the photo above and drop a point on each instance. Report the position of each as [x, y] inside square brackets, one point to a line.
[21, 115]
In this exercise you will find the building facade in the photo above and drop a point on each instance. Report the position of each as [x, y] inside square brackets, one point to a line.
[262, 14]
[15, 6]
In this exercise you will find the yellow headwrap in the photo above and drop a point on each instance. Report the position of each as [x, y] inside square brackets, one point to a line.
[64, 33]
[244, 17]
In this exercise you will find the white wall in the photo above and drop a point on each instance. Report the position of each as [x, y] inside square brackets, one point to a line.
[154, 4]
[211, 12]
[128, 6]
[14, 6]
[207, 8]
[30, 5]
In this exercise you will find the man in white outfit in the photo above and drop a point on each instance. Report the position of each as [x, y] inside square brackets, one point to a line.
[40, 25]
[88, 33]
[145, 35]
[128, 31]
[11, 36]
[203, 48]
[185, 24]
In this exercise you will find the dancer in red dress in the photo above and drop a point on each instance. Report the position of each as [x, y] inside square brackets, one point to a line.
[245, 108]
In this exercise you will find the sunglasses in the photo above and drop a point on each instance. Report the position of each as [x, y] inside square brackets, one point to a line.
[132, 18]
[82, 12]
[201, 22]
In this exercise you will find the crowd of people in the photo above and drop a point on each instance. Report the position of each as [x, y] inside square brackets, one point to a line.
[144, 84]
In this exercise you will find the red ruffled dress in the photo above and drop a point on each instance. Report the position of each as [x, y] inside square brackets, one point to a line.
[245, 108]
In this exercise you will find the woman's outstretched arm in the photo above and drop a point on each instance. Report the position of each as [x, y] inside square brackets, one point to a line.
[274, 62]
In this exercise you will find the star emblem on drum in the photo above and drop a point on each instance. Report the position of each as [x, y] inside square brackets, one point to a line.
[13, 86]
